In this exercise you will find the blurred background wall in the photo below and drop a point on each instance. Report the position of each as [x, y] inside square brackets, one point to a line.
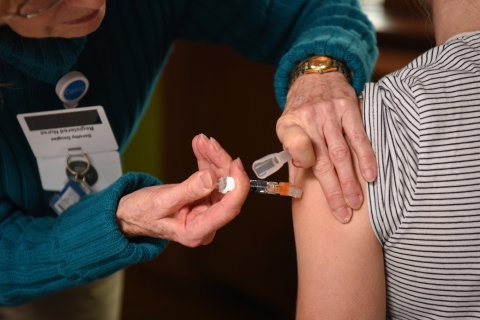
[249, 271]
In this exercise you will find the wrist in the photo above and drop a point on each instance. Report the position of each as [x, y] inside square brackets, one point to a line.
[320, 65]
[122, 217]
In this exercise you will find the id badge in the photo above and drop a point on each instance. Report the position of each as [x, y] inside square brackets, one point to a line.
[53, 135]
[75, 145]
[71, 193]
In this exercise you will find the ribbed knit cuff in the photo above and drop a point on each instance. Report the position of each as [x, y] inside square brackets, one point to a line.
[87, 243]
[347, 37]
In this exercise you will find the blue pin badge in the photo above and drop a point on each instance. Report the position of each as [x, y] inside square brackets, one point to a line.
[71, 88]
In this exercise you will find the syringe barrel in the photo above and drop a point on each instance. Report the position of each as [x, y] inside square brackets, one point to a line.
[258, 186]
[272, 187]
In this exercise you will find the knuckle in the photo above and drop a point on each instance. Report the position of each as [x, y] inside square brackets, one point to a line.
[189, 191]
[349, 183]
[193, 243]
[285, 121]
[300, 112]
[334, 196]
[364, 158]
[346, 102]
[298, 141]
[323, 166]
[164, 201]
[358, 137]
[339, 153]
[306, 111]
[198, 240]
[190, 241]
[331, 126]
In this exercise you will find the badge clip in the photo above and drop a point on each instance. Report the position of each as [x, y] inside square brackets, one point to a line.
[71, 88]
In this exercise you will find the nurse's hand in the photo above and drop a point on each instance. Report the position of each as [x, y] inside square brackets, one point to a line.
[190, 212]
[320, 115]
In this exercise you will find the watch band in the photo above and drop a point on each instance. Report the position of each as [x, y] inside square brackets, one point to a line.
[320, 64]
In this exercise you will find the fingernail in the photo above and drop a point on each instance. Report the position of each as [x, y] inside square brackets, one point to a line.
[206, 180]
[240, 164]
[369, 175]
[354, 201]
[203, 138]
[215, 144]
[342, 215]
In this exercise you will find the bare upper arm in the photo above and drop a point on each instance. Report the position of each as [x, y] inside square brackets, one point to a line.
[340, 266]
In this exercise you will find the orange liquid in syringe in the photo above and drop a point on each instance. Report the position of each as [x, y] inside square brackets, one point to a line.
[283, 188]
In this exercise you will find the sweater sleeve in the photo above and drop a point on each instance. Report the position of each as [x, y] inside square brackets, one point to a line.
[285, 32]
[42, 255]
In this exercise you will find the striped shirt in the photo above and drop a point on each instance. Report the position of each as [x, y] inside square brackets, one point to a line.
[424, 125]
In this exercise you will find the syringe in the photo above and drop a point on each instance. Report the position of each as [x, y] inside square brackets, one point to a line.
[270, 187]
[226, 184]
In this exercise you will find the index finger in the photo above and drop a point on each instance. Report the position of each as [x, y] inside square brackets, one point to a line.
[210, 154]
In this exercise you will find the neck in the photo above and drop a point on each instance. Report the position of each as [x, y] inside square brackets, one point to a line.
[452, 17]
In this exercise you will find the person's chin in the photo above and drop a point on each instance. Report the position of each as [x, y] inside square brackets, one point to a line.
[77, 30]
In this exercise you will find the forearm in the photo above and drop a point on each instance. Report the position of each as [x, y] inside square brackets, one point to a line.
[284, 32]
[340, 30]
[340, 267]
[46, 254]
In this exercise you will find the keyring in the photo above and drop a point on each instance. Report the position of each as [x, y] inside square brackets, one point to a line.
[75, 173]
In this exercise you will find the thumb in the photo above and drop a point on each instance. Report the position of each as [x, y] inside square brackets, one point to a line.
[297, 141]
[197, 186]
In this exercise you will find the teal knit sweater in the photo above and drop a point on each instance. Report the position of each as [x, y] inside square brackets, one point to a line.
[41, 252]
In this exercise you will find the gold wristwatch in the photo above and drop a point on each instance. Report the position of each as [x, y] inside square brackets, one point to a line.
[320, 64]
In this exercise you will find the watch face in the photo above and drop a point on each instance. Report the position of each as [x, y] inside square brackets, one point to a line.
[320, 63]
